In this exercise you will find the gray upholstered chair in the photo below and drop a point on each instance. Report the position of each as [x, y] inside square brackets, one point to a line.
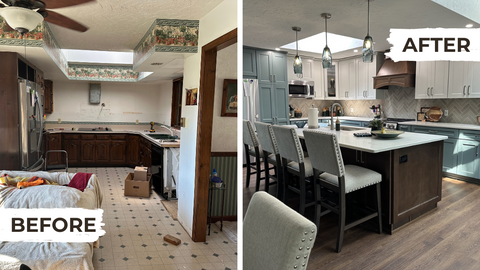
[294, 162]
[270, 150]
[252, 148]
[326, 157]
[275, 237]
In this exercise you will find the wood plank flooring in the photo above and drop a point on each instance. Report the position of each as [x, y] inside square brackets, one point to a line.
[445, 238]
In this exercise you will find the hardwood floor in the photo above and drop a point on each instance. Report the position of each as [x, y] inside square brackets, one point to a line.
[445, 238]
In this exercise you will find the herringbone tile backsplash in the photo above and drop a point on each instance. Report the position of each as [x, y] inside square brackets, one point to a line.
[400, 102]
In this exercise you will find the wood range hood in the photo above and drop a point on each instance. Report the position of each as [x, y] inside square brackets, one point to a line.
[400, 73]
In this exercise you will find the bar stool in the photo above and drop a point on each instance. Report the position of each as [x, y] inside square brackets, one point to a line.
[342, 179]
[270, 150]
[252, 148]
[294, 162]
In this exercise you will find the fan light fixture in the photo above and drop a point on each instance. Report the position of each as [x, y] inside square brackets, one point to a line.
[368, 50]
[326, 55]
[23, 20]
[297, 62]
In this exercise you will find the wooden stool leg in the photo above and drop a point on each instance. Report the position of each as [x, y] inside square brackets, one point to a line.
[278, 175]
[318, 198]
[284, 180]
[249, 172]
[258, 168]
[267, 172]
[379, 208]
[341, 221]
[303, 192]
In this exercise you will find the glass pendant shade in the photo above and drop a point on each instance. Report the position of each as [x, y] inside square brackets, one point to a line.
[297, 65]
[326, 58]
[368, 49]
[21, 19]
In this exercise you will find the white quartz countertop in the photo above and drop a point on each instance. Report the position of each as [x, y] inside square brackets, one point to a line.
[137, 132]
[442, 125]
[352, 118]
[376, 145]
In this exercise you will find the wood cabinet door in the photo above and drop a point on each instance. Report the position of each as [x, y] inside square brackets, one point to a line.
[117, 151]
[87, 151]
[266, 96]
[133, 150]
[468, 159]
[264, 67]
[48, 97]
[249, 63]
[281, 103]
[73, 151]
[147, 159]
[102, 151]
[54, 142]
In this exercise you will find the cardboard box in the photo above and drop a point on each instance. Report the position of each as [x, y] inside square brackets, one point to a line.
[137, 188]
[140, 173]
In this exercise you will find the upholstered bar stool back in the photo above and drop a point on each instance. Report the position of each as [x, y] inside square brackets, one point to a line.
[270, 151]
[275, 237]
[252, 148]
[289, 144]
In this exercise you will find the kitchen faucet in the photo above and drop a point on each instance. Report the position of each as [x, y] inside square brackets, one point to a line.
[331, 114]
[169, 128]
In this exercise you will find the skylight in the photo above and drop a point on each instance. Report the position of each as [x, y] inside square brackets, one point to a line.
[316, 43]
[99, 57]
[468, 9]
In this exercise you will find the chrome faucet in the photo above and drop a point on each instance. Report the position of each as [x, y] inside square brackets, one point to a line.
[169, 129]
[331, 114]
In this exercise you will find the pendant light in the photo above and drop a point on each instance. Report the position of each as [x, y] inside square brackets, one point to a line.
[368, 50]
[326, 55]
[297, 62]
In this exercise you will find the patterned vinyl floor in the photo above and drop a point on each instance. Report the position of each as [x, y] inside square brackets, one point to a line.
[135, 228]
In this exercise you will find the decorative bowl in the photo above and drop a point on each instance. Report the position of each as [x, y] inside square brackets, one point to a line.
[388, 133]
[434, 114]
[300, 124]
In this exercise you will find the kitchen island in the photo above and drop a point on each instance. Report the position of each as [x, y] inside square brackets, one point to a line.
[411, 169]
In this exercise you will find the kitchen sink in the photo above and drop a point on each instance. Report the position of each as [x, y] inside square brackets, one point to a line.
[161, 136]
[347, 128]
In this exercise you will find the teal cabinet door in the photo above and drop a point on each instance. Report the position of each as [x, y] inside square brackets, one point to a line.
[281, 103]
[468, 160]
[450, 155]
[404, 128]
[265, 92]
[279, 67]
[264, 67]
[249, 64]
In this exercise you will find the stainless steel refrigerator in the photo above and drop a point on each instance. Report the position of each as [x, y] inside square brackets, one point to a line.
[30, 123]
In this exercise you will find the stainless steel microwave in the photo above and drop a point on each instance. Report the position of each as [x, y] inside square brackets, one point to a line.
[301, 89]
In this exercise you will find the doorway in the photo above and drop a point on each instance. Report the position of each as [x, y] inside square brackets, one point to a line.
[176, 103]
[204, 131]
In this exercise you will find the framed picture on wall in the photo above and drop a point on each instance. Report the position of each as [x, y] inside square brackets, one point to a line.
[229, 98]
[191, 97]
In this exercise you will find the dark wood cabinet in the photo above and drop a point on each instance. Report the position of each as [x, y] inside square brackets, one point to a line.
[133, 151]
[54, 142]
[48, 97]
[117, 152]
[87, 151]
[73, 150]
[102, 151]
[145, 153]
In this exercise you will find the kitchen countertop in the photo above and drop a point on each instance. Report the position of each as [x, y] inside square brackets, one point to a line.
[137, 132]
[352, 118]
[442, 125]
[377, 145]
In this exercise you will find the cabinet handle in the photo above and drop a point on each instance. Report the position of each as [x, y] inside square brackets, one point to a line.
[468, 91]
[431, 91]
[476, 150]
[364, 94]
[274, 78]
[464, 89]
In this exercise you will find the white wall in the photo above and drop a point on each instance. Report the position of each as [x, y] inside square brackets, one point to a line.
[124, 102]
[221, 20]
[224, 130]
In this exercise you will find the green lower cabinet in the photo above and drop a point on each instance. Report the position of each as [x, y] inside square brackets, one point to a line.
[450, 155]
[468, 158]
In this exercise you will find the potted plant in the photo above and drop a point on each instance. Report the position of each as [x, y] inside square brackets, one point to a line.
[376, 124]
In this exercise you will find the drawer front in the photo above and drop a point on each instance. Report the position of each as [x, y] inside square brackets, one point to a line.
[404, 128]
[71, 136]
[103, 137]
[470, 134]
[119, 136]
[88, 136]
[451, 133]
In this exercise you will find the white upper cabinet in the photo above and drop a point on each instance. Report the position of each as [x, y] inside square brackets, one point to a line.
[431, 79]
[307, 69]
[318, 78]
[365, 74]
[462, 82]
[347, 79]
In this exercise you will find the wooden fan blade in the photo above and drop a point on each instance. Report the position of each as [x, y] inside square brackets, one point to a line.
[63, 3]
[8, 28]
[63, 21]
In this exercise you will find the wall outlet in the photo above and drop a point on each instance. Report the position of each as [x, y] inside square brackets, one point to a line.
[136, 122]
[351, 109]
[445, 113]
[59, 120]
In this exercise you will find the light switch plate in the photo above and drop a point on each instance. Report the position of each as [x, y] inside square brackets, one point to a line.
[445, 113]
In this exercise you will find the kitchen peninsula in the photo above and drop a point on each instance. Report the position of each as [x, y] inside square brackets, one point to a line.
[411, 168]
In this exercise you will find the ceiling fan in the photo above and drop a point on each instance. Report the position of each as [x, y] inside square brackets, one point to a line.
[25, 15]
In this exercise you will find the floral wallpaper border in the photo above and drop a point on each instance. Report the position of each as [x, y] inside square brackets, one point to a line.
[50, 45]
[167, 36]
[101, 123]
[102, 73]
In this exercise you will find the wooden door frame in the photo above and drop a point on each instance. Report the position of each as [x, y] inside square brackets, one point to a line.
[204, 131]
[175, 103]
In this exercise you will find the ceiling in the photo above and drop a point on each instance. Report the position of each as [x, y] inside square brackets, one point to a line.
[268, 23]
[118, 25]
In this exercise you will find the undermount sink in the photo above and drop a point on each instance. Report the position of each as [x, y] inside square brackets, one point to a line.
[161, 136]
[351, 128]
